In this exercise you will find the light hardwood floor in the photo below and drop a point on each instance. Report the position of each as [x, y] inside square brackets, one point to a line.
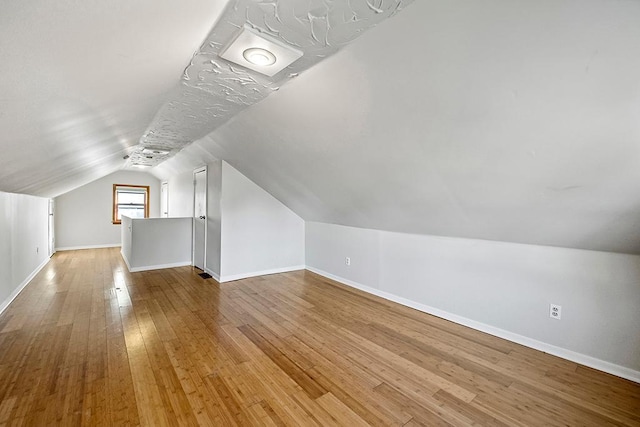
[87, 343]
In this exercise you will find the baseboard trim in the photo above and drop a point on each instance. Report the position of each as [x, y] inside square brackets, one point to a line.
[233, 277]
[157, 267]
[22, 285]
[78, 248]
[213, 274]
[126, 260]
[592, 362]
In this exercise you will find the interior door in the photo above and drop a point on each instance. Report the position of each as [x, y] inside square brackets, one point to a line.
[200, 217]
[52, 236]
[164, 200]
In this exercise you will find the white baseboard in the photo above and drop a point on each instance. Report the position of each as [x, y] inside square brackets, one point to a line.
[152, 267]
[158, 267]
[213, 274]
[126, 260]
[77, 248]
[592, 362]
[22, 285]
[233, 277]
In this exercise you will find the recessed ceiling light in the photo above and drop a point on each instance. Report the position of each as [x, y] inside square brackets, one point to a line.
[259, 52]
[259, 56]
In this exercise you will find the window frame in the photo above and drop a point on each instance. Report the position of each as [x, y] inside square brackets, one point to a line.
[114, 210]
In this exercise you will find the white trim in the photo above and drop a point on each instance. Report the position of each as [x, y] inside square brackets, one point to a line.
[204, 169]
[152, 267]
[76, 248]
[22, 285]
[126, 261]
[51, 228]
[159, 267]
[233, 277]
[583, 359]
[164, 183]
[213, 274]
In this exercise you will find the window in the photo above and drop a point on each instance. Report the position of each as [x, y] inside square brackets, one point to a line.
[131, 201]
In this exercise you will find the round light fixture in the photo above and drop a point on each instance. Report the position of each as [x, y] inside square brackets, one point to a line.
[259, 56]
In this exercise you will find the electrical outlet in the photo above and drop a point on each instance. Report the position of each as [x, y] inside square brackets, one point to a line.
[347, 261]
[555, 311]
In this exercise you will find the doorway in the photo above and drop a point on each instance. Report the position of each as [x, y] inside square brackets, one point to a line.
[200, 217]
[52, 236]
[164, 200]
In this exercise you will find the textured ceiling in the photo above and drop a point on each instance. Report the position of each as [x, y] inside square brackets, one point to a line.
[500, 120]
[213, 89]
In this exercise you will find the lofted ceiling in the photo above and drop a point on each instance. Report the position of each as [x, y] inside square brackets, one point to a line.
[81, 81]
[503, 120]
[214, 89]
[88, 89]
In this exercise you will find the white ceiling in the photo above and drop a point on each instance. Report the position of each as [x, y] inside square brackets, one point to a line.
[81, 81]
[214, 89]
[503, 120]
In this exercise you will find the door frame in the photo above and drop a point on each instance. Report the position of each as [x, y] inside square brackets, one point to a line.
[51, 226]
[206, 216]
[165, 185]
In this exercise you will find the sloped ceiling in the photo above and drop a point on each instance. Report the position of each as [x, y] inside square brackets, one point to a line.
[88, 86]
[80, 81]
[502, 120]
[213, 89]
[516, 121]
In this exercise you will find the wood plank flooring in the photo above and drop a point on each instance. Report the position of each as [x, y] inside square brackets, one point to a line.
[87, 343]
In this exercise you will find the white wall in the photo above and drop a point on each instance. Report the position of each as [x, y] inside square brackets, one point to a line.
[249, 232]
[126, 240]
[83, 216]
[214, 217]
[153, 243]
[23, 242]
[181, 205]
[181, 195]
[502, 288]
[259, 234]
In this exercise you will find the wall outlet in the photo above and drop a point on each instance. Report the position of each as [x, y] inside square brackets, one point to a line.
[555, 311]
[347, 261]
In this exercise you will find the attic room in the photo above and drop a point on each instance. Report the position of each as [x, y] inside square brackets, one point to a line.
[364, 212]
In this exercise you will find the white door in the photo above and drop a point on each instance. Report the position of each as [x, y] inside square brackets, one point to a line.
[199, 217]
[164, 200]
[52, 236]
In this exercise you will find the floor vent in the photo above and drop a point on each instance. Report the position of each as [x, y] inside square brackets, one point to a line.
[205, 275]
